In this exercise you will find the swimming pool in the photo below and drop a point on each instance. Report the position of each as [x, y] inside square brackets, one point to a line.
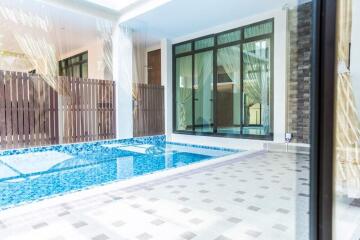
[32, 174]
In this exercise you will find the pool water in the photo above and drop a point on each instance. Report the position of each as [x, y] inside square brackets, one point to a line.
[31, 174]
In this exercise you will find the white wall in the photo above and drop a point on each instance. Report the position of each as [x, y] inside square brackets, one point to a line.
[280, 29]
[166, 81]
[355, 50]
[95, 58]
[236, 143]
[123, 77]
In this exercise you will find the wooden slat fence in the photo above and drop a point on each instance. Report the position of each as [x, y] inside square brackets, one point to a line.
[89, 110]
[29, 111]
[148, 110]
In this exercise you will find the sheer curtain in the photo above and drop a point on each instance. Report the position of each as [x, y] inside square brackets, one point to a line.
[33, 33]
[42, 55]
[203, 88]
[184, 92]
[41, 33]
[229, 58]
[139, 52]
[105, 31]
[257, 82]
[347, 116]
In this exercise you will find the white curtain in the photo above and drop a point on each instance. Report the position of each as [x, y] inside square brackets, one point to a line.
[44, 36]
[42, 55]
[203, 88]
[33, 32]
[257, 80]
[355, 49]
[184, 92]
[229, 58]
[139, 55]
[105, 31]
[347, 115]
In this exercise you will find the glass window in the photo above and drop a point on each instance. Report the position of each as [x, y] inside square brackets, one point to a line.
[203, 87]
[183, 48]
[76, 71]
[258, 29]
[184, 97]
[257, 75]
[84, 57]
[75, 59]
[84, 70]
[229, 37]
[76, 66]
[240, 102]
[204, 43]
[228, 90]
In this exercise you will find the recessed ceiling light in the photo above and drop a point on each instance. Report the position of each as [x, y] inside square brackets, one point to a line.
[116, 5]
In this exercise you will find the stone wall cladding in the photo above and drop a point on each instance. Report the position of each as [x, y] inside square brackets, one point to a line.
[298, 115]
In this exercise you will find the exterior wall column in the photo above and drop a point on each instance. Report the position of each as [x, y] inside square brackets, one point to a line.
[279, 94]
[122, 74]
[166, 81]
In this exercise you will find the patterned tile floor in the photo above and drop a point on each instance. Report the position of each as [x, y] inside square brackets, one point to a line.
[261, 196]
[347, 218]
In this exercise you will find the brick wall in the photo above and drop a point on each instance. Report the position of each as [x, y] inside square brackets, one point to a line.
[299, 72]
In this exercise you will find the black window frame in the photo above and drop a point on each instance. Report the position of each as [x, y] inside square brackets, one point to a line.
[215, 48]
[64, 71]
[322, 127]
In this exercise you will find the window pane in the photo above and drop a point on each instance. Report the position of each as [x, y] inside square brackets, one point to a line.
[259, 29]
[228, 90]
[75, 59]
[183, 48]
[76, 71]
[229, 37]
[204, 43]
[84, 57]
[257, 76]
[184, 93]
[203, 85]
[84, 70]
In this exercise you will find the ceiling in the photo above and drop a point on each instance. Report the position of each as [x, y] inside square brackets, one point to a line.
[182, 17]
[72, 29]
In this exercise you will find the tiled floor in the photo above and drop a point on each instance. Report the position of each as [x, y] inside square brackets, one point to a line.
[347, 218]
[262, 196]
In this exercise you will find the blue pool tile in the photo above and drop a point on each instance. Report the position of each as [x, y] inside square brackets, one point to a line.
[36, 173]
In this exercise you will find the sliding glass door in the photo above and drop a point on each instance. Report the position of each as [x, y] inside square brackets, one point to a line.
[228, 90]
[203, 91]
[257, 76]
[184, 96]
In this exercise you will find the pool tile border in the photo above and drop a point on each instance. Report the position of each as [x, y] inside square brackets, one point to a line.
[155, 140]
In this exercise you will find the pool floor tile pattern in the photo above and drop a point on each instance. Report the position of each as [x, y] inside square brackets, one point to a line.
[263, 196]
